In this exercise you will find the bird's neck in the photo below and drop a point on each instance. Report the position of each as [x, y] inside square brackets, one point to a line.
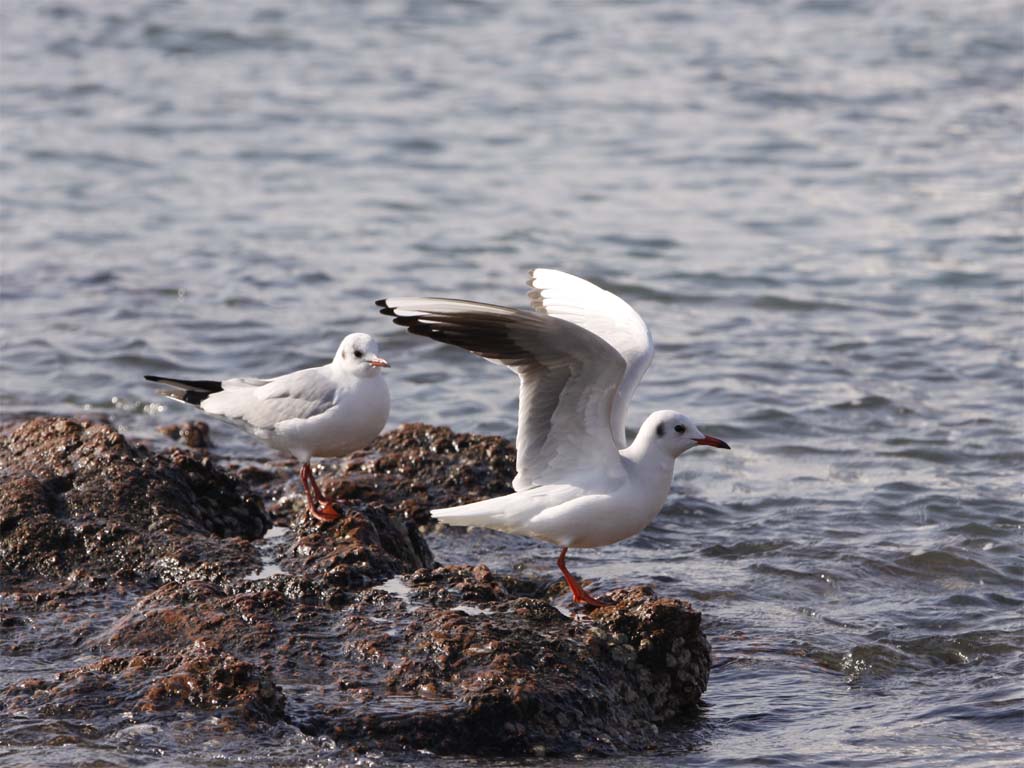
[340, 371]
[649, 463]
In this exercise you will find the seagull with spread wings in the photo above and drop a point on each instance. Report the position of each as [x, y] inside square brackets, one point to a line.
[579, 354]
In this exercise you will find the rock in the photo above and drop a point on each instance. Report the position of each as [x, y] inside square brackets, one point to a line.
[364, 547]
[509, 674]
[196, 678]
[194, 434]
[419, 467]
[208, 679]
[466, 664]
[123, 577]
[78, 495]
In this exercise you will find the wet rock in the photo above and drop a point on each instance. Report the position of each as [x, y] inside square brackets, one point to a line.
[77, 495]
[419, 467]
[514, 675]
[194, 434]
[669, 644]
[446, 586]
[364, 547]
[408, 472]
[200, 613]
[124, 579]
[208, 679]
[197, 678]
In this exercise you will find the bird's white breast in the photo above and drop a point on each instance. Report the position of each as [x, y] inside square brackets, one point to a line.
[357, 416]
[597, 519]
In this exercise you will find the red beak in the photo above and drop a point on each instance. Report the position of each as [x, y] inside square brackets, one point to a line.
[714, 442]
[379, 362]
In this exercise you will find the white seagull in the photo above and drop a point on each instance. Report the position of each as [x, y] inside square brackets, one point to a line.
[579, 356]
[327, 411]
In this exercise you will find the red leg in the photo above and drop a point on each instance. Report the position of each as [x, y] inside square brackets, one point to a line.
[319, 505]
[305, 474]
[317, 493]
[579, 594]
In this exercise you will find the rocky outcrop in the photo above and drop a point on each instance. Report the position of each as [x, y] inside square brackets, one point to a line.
[507, 674]
[419, 467]
[139, 581]
[78, 498]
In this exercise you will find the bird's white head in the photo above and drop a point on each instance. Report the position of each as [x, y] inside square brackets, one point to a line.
[357, 355]
[674, 434]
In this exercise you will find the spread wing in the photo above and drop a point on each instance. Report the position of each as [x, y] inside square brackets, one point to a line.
[568, 379]
[572, 298]
[263, 404]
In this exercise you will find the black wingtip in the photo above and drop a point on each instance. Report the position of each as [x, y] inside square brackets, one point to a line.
[385, 309]
[204, 386]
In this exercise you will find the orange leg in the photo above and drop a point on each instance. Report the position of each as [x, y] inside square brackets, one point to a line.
[579, 594]
[304, 478]
[317, 504]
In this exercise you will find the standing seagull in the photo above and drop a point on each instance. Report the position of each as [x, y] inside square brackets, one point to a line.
[579, 356]
[327, 411]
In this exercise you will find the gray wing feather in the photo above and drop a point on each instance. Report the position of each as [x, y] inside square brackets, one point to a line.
[568, 380]
[572, 298]
[263, 404]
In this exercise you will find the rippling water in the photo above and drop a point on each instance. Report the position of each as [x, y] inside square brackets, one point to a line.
[816, 206]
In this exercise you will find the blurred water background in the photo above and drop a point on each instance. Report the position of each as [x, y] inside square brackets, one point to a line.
[815, 204]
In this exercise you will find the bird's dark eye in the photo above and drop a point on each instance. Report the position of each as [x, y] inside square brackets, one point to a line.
[680, 428]
[358, 353]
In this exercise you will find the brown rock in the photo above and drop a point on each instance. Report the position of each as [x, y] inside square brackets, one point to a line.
[76, 494]
[194, 434]
[122, 579]
[419, 467]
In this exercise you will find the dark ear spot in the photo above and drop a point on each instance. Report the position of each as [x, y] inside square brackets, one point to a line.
[661, 430]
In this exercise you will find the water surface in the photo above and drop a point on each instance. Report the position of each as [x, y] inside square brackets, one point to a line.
[816, 206]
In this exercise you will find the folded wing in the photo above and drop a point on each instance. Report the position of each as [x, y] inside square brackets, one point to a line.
[263, 405]
[571, 298]
[568, 381]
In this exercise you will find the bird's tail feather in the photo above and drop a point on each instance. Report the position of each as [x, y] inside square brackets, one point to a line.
[503, 513]
[488, 513]
[188, 391]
